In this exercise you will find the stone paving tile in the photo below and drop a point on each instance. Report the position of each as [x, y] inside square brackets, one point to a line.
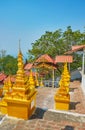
[77, 97]
[48, 125]
[45, 98]
[8, 123]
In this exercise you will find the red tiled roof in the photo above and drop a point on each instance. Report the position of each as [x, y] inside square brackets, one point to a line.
[75, 48]
[12, 78]
[44, 65]
[28, 73]
[28, 66]
[63, 59]
[45, 58]
[2, 76]
[78, 47]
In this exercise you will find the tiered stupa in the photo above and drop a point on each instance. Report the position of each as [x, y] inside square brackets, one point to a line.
[36, 80]
[31, 84]
[7, 85]
[21, 100]
[62, 97]
[41, 83]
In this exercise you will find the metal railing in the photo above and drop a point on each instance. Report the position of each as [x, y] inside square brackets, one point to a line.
[49, 83]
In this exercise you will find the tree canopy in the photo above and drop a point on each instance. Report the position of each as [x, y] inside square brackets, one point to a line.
[57, 43]
[8, 64]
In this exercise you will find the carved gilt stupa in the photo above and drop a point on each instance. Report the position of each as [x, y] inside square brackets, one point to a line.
[62, 97]
[21, 100]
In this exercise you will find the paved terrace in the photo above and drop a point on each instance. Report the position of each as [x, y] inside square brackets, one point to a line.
[46, 118]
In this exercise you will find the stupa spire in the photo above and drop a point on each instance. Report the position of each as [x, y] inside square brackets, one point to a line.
[19, 46]
[20, 73]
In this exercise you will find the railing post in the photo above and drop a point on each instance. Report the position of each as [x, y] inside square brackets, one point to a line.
[53, 78]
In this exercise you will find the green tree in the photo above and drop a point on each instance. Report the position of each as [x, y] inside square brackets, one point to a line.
[47, 44]
[71, 38]
[57, 43]
[8, 65]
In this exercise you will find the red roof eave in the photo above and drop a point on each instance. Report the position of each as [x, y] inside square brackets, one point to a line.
[28, 66]
[2, 76]
[75, 48]
[63, 59]
[45, 58]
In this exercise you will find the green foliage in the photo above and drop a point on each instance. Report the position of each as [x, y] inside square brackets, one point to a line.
[77, 61]
[8, 65]
[57, 43]
[47, 44]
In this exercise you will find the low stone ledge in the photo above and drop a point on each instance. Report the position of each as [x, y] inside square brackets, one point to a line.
[55, 115]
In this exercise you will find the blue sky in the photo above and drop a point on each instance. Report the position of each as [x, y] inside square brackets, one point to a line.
[29, 19]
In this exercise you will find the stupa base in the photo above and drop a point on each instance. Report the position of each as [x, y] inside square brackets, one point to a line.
[61, 103]
[3, 107]
[21, 108]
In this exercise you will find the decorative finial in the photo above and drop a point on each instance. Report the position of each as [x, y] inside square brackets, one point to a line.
[19, 46]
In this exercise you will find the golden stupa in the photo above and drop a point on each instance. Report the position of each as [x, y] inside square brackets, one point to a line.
[62, 97]
[36, 80]
[7, 85]
[21, 100]
[41, 83]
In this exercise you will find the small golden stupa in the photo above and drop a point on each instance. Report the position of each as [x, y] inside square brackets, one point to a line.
[41, 83]
[21, 100]
[62, 97]
[36, 80]
[7, 85]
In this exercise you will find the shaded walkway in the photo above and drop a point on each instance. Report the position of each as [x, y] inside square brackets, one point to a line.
[38, 114]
